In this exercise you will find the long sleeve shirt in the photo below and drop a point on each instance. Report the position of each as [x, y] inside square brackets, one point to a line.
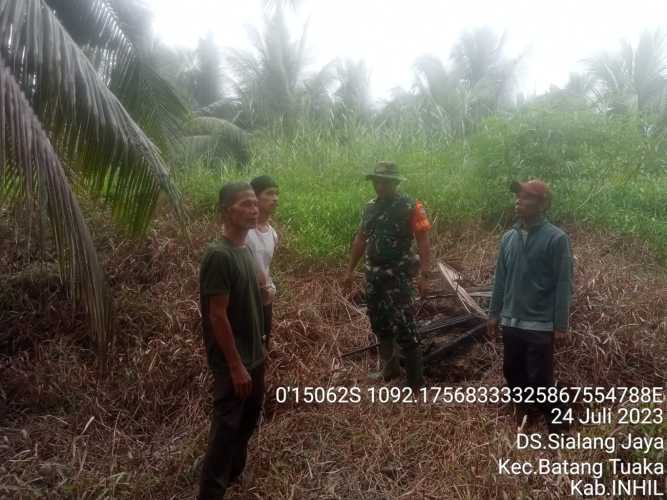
[533, 278]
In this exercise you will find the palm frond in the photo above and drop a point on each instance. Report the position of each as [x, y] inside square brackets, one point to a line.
[632, 79]
[268, 78]
[219, 136]
[225, 108]
[95, 25]
[153, 103]
[85, 121]
[438, 90]
[116, 37]
[315, 94]
[479, 81]
[353, 93]
[650, 68]
[30, 169]
[433, 78]
[477, 52]
[207, 81]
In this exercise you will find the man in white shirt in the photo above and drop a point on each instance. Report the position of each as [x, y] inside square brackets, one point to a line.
[262, 241]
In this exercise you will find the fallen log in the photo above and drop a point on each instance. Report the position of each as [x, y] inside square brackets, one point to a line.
[452, 278]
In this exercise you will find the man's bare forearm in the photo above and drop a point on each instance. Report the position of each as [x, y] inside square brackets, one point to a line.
[224, 338]
[358, 247]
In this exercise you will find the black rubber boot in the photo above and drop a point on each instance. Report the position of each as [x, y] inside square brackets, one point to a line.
[391, 367]
[414, 367]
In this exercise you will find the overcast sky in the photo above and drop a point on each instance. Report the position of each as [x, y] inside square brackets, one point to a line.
[390, 34]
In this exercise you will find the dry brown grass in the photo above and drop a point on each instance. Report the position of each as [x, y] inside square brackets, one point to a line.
[139, 431]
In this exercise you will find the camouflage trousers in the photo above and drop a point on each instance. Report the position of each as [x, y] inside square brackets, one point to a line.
[390, 298]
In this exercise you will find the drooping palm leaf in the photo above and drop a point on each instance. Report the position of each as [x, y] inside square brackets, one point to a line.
[30, 169]
[85, 121]
[218, 138]
[116, 36]
[225, 109]
[153, 104]
[438, 89]
[632, 79]
[207, 125]
[95, 25]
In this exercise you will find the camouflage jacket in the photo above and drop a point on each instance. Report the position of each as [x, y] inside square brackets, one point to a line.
[387, 227]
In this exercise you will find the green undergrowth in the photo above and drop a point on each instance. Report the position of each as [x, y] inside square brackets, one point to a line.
[604, 173]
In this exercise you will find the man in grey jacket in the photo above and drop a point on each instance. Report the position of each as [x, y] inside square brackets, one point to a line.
[531, 293]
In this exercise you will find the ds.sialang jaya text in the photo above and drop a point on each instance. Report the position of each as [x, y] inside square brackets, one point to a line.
[643, 477]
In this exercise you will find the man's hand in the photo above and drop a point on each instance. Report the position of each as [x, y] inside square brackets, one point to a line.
[561, 337]
[241, 381]
[358, 248]
[265, 294]
[492, 327]
[268, 293]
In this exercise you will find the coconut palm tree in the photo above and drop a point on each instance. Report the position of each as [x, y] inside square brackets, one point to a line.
[74, 89]
[478, 82]
[213, 132]
[208, 81]
[578, 93]
[352, 97]
[267, 79]
[314, 96]
[197, 72]
[438, 96]
[214, 139]
[632, 79]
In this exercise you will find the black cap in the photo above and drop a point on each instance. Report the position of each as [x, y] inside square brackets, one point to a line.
[262, 183]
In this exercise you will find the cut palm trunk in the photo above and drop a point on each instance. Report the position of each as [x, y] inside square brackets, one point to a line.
[452, 278]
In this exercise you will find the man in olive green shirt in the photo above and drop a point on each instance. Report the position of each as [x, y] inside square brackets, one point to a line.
[233, 323]
[532, 291]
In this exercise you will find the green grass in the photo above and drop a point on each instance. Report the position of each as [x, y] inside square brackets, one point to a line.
[604, 174]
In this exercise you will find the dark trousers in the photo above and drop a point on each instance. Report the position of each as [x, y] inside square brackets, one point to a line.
[268, 319]
[529, 362]
[232, 423]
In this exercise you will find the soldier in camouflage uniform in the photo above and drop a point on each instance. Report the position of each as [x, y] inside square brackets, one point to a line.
[389, 225]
